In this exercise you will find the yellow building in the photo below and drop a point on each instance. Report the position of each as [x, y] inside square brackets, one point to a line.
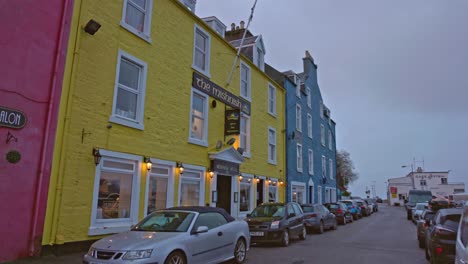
[147, 121]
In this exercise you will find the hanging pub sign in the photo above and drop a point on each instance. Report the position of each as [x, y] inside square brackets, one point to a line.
[12, 118]
[226, 168]
[203, 84]
[232, 122]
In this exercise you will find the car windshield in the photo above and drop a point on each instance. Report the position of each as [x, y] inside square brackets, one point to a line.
[451, 220]
[268, 211]
[166, 221]
[420, 198]
[420, 206]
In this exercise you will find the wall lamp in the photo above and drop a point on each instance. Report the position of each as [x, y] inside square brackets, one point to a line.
[181, 168]
[210, 173]
[257, 180]
[240, 177]
[92, 27]
[269, 180]
[149, 163]
[97, 156]
[281, 182]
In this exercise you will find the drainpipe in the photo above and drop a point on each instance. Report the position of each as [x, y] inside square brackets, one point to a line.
[35, 232]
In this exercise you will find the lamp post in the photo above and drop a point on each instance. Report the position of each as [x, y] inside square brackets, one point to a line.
[412, 171]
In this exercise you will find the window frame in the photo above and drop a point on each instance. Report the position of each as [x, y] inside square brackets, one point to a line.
[247, 152]
[297, 82]
[309, 97]
[321, 110]
[197, 29]
[273, 144]
[311, 161]
[330, 168]
[146, 33]
[204, 141]
[299, 159]
[299, 117]
[194, 169]
[302, 186]
[247, 96]
[324, 167]
[322, 138]
[170, 165]
[109, 226]
[330, 139]
[245, 182]
[138, 123]
[271, 87]
[259, 57]
[309, 126]
[275, 187]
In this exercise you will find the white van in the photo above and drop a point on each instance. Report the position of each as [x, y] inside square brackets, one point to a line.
[462, 238]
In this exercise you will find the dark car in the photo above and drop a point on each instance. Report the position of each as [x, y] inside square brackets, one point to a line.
[422, 225]
[276, 223]
[441, 236]
[318, 218]
[379, 200]
[341, 211]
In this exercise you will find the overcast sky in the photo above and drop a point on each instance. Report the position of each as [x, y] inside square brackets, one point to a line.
[393, 72]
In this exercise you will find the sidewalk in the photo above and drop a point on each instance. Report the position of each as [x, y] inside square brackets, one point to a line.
[72, 258]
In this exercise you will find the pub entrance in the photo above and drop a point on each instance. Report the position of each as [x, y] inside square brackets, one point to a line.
[223, 187]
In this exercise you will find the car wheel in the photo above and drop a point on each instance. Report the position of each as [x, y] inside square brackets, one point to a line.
[240, 251]
[175, 257]
[321, 228]
[335, 225]
[303, 234]
[285, 239]
[421, 243]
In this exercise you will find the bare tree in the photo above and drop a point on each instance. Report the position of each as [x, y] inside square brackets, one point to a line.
[345, 169]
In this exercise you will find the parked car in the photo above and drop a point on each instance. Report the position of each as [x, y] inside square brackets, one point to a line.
[461, 256]
[417, 211]
[353, 208]
[441, 236]
[318, 218]
[276, 223]
[176, 235]
[341, 211]
[422, 225]
[375, 206]
[365, 209]
[379, 200]
[416, 196]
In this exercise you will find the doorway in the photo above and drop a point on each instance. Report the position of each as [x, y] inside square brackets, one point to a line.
[223, 189]
[260, 191]
[311, 194]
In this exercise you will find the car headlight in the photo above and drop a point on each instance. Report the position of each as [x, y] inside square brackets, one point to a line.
[91, 252]
[138, 254]
[275, 225]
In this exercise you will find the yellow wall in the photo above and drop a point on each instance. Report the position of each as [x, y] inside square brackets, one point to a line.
[87, 100]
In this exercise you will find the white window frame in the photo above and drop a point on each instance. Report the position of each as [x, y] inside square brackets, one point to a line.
[322, 131]
[319, 194]
[251, 192]
[329, 139]
[247, 152]
[298, 86]
[298, 117]
[330, 168]
[311, 162]
[109, 226]
[259, 58]
[196, 29]
[273, 184]
[272, 144]
[309, 125]
[114, 118]
[324, 167]
[170, 165]
[196, 169]
[299, 159]
[204, 140]
[309, 98]
[321, 110]
[248, 81]
[299, 184]
[145, 34]
[272, 99]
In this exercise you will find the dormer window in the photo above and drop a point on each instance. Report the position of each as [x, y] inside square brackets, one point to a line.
[216, 24]
[259, 53]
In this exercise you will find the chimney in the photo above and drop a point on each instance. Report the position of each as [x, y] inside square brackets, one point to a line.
[233, 26]
[242, 23]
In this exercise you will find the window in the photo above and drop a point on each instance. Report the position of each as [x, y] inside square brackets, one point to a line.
[160, 187]
[201, 51]
[245, 81]
[299, 157]
[319, 194]
[116, 189]
[199, 118]
[298, 86]
[330, 169]
[245, 197]
[210, 220]
[423, 183]
[259, 59]
[322, 133]
[271, 99]
[298, 193]
[129, 91]
[309, 125]
[272, 192]
[321, 109]
[311, 162]
[272, 145]
[298, 118]
[309, 98]
[443, 180]
[324, 167]
[330, 140]
[137, 17]
[191, 187]
[245, 134]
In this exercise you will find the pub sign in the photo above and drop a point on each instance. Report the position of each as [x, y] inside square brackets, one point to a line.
[232, 122]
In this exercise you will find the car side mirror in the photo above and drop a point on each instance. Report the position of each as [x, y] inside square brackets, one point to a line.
[291, 215]
[201, 229]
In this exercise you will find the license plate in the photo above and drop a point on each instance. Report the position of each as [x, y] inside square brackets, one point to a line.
[256, 233]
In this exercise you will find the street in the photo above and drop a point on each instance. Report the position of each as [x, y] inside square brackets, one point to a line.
[384, 237]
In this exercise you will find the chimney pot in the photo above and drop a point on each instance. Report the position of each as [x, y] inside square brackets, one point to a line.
[242, 23]
[233, 26]
[237, 28]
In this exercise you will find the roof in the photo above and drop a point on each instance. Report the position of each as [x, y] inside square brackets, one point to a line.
[204, 209]
[247, 41]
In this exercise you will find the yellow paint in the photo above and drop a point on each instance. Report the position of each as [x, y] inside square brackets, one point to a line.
[87, 98]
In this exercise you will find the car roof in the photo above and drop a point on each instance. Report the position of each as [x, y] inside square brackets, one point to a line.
[450, 211]
[203, 209]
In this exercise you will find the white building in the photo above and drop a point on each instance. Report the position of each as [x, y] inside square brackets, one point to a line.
[436, 182]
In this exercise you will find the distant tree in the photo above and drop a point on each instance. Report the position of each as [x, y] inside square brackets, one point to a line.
[345, 170]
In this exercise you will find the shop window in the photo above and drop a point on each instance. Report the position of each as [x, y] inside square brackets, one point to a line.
[201, 52]
[245, 81]
[199, 118]
[137, 17]
[160, 187]
[191, 188]
[272, 192]
[245, 195]
[298, 194]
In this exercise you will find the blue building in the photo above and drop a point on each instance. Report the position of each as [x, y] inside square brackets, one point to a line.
[310, 137]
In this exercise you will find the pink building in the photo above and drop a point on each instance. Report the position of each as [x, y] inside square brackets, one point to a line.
[33, 43]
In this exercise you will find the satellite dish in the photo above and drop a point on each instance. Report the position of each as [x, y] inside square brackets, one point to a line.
[219, 144]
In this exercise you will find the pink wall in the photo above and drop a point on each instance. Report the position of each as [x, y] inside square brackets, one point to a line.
[33, 43]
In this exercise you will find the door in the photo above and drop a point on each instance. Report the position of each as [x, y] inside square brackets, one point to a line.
[223, 189]
[311, 194]
[260, 184]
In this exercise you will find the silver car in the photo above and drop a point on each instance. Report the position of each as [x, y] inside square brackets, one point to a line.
[176, 235]
[462, 238]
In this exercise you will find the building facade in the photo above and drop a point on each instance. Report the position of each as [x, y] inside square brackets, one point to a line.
[311, 143]
[33, 49]
[148, 120]
[436, 182]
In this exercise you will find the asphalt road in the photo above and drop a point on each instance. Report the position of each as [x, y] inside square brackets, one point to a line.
[384, 237]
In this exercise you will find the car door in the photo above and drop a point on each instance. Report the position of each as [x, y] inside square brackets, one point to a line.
[462, 240]
[299, 221]
[329, 219]
[430, 230]
[292, 220]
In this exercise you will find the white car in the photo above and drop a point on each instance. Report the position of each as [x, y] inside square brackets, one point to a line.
[181, 235]
[418, 210]
[461, 256]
